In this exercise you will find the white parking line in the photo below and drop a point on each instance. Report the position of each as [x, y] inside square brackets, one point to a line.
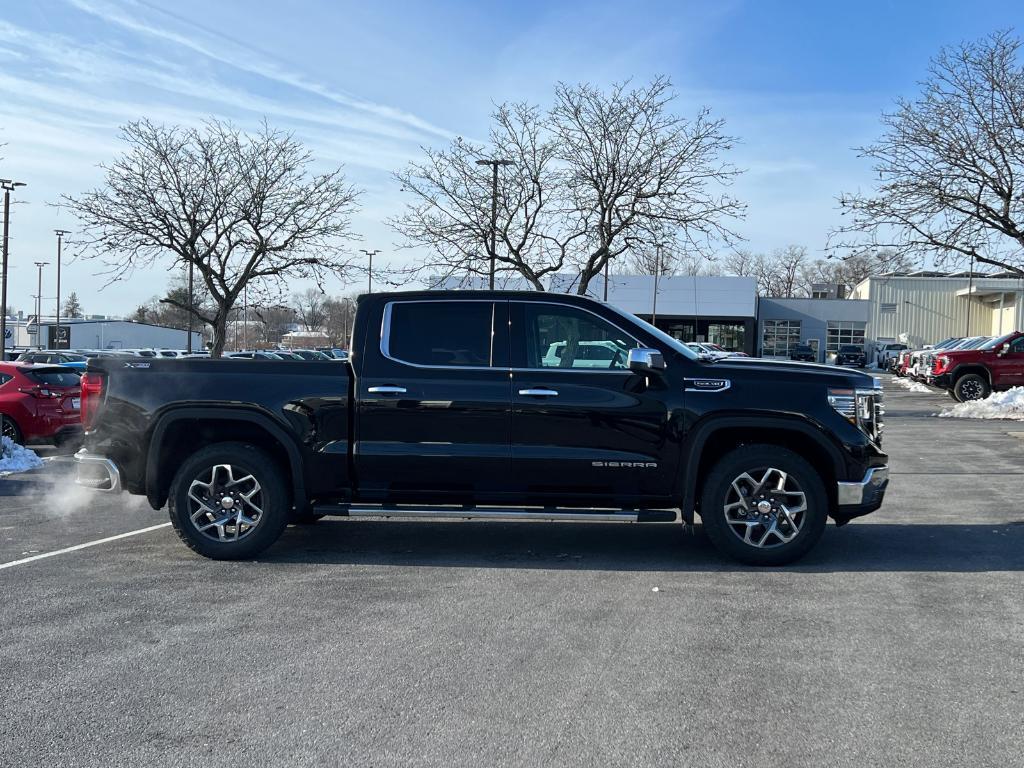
[82, 546]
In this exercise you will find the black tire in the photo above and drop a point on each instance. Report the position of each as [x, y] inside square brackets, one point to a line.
[756, 460]
[9, 428]
[242, 542]
[952, 394]
[971, 386]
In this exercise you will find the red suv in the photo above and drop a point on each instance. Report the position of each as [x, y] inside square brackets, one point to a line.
[973, 374]
[39, 403]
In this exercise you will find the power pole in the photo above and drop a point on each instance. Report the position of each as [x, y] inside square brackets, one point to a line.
[494, 163]
[60, 238]
[8, 187]
[39, 305]
[369, 271]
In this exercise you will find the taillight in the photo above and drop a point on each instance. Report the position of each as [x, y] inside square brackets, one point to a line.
[92, 396]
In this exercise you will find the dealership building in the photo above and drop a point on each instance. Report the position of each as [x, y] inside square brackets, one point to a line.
[915, 309]
[77, 333]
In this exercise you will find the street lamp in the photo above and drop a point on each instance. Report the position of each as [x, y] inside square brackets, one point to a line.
[8, 187]
[39, 304]
[369, 278]
[60, 238]
[494, 163]
[657, 271]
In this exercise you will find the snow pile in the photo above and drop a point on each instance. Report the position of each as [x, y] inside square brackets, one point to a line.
[913, 386]
[998, 405]
[14, 458]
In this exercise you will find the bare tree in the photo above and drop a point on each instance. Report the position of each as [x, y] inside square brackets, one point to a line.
[950, 163]
[339, 315]
[741, 263]
[273, 321]
[244, 210]
[309, 308]
[450, 210]
[593, 178]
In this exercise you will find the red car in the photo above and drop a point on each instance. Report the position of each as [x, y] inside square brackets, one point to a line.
[40, 403]
[973, 374]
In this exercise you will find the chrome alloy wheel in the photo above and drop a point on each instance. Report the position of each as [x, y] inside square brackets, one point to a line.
[765, 507]
[224, 507]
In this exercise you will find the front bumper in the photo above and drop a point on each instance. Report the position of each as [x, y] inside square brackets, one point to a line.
[97, 472]
[861, 497]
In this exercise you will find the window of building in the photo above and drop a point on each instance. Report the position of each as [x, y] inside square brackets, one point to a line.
[436, 333]
[566, 337]
[779, 337]
[841, 332]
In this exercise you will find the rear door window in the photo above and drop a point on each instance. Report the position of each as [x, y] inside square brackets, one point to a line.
[52, 378]
[439, 333]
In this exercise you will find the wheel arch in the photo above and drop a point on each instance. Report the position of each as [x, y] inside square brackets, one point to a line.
[962, 370]
[183, 431]
[716, 437]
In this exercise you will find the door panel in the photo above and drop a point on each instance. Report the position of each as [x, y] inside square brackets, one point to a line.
[598, 434]
[434, 402]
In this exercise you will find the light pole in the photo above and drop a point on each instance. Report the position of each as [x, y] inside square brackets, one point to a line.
[369, 272]
[60, 239]
[657, 271]
[970, 291]
[39, 305]
[8, 186]
[494, 163]
[188, 343]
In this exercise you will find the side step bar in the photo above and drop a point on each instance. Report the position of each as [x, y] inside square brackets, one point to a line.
[498, 513]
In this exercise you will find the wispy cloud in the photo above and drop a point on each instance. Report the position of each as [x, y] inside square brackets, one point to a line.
[222, 48]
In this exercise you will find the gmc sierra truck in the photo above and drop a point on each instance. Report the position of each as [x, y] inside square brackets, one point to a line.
[494, 405]
[973, 373]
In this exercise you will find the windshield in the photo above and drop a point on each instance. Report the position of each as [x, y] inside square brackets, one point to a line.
[997, 342]
[849, 348]
[54, 378]
[660, 335]
[975, 343]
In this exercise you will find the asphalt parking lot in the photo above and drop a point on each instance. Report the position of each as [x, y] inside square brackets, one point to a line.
[898, 642]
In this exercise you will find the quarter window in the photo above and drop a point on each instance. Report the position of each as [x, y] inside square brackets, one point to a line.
[565, 337]
[440, 333]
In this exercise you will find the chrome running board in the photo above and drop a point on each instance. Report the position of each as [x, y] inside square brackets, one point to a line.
[498, 513]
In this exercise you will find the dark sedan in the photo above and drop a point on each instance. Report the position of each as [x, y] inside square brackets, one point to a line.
[802, 352]
[848, 354]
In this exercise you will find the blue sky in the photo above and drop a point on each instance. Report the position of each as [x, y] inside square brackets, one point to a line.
[365, 84]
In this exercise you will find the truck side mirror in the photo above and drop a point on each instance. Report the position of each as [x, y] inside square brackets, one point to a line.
[645, 361]
[1004, 349]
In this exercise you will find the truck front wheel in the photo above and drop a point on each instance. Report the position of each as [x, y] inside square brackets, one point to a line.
[764, 505]
[229, 501]
[971, 386]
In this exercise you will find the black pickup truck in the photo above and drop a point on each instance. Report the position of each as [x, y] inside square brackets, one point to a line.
[490, 404]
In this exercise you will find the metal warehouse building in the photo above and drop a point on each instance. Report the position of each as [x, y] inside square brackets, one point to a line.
[103, 334]
[925, 307]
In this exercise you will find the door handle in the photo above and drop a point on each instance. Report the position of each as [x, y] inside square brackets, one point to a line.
[386, 390]
[538, 392]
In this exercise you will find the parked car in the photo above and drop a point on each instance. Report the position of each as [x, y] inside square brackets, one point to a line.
[453, 407]
[284, 354]
[54, 357]
[802, 352]
[850, 354]
[39, 403]
[255, 355]
[309, 354]
[923, 360]
[974, 373]
[588, 354]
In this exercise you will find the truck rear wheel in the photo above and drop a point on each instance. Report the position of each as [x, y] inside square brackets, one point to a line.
[971, 386]
[229, 501]
[764, 505]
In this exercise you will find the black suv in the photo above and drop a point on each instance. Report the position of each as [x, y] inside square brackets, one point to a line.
[849, 354]
[802, 352]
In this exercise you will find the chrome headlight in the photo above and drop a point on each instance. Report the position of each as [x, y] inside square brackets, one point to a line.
[861, 407]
